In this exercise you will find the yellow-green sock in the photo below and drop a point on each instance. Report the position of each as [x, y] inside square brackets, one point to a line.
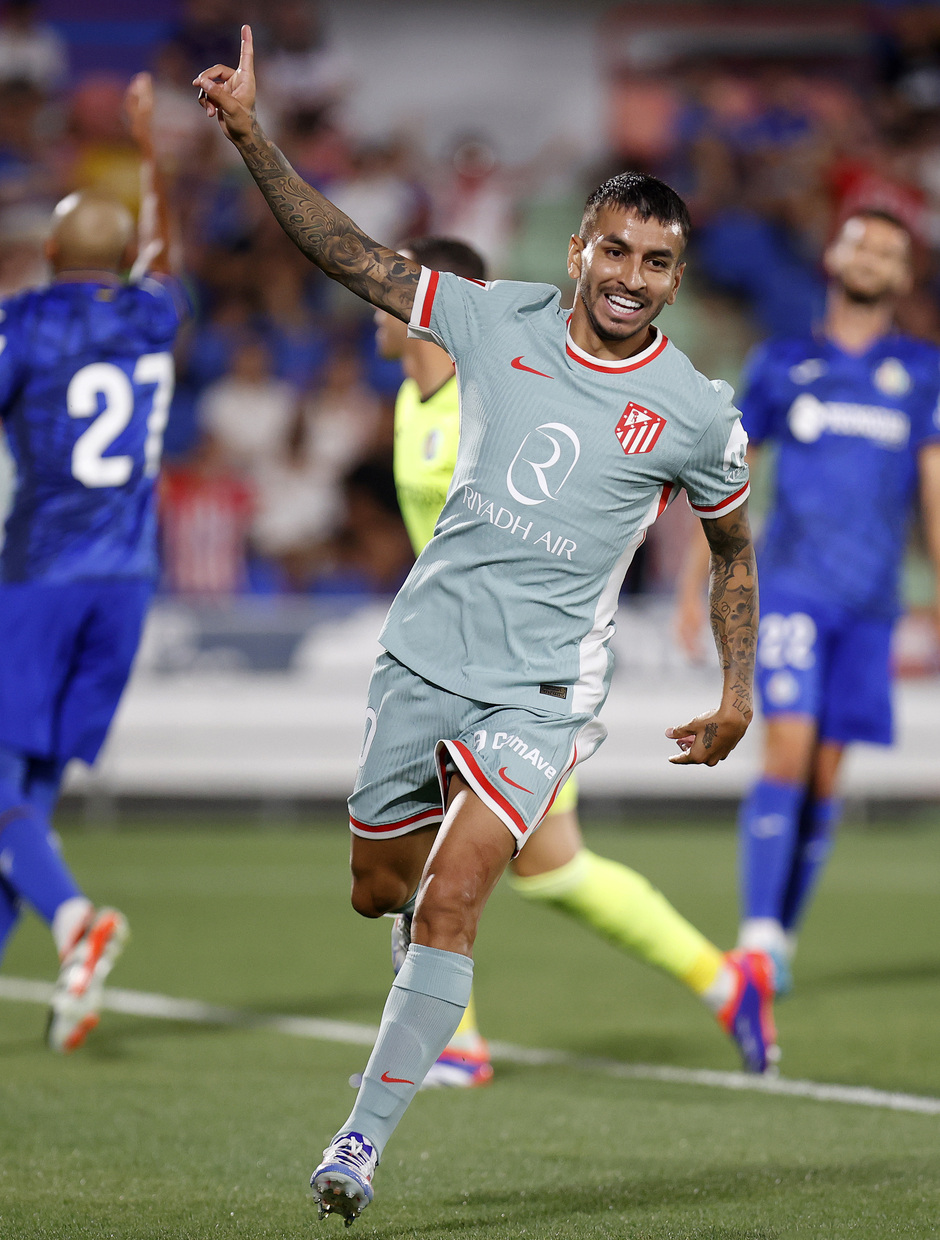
[627, 909]
[467, 1035]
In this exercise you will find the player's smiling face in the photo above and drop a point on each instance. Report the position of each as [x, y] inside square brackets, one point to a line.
[627, 269]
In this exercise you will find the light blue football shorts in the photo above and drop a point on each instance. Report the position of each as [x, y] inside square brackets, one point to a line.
[417, 735]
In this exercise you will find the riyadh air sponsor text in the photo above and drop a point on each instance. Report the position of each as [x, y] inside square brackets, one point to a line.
[519, 527]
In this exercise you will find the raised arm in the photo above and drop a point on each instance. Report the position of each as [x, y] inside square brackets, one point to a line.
[319, 230]
[157, 247]
[732, 600]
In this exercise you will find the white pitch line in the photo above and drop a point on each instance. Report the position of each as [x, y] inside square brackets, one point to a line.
[164, 1007]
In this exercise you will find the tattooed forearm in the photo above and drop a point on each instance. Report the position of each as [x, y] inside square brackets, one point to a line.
[328, 237]
[733, 603]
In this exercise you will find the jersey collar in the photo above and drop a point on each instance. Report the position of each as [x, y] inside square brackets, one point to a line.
[651, 351]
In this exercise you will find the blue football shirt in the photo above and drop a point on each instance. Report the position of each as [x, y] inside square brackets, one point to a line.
[86, 379]
[848, 429]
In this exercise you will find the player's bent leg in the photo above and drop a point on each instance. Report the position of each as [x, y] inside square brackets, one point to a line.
[471, 851]
[9, 914]
[427, 998]
[43, 782]
[33, 871]
[32, 866]
[386, 872]
[554, 845]
[624, 907]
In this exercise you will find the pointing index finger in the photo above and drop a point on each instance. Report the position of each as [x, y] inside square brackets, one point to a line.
[246, 59]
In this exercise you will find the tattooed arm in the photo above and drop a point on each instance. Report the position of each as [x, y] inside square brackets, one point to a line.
[732, 602]
[319, 230]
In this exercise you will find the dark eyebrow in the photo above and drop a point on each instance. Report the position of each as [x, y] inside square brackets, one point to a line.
[614, 239]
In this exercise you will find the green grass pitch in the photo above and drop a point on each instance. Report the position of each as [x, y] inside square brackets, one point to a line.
[164, 1129]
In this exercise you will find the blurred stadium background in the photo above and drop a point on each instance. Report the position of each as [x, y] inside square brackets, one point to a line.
[490, 121]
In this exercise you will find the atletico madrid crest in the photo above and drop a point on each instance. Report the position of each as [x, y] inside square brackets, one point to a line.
[638, 429]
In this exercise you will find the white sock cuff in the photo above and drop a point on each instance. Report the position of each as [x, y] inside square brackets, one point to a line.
[67, 920]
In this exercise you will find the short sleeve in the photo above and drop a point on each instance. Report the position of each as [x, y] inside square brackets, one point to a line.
[757, 396]
[927, 428]
[716, 476]
[457, 313]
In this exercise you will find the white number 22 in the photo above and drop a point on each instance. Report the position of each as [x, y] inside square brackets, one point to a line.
[89, 464]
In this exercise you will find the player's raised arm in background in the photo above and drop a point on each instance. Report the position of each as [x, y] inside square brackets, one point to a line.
[157, 247]
[732, 600]
[319, 230]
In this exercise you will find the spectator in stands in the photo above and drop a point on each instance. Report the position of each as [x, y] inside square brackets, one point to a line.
[30, 51]
[301, 70]
[205, 514]
[249, 412]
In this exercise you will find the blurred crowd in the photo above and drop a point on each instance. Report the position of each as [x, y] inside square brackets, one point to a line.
[278, 450]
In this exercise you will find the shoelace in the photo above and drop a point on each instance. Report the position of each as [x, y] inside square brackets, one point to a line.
[353, 1150]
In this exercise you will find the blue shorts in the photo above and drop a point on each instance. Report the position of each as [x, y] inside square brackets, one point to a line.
[65, 655]
[513, 757]
[828, 663]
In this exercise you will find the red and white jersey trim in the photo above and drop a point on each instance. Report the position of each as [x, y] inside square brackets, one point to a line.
[473, 773]
[725, 505]
[649, 354]
[424, 299]
[425, 294]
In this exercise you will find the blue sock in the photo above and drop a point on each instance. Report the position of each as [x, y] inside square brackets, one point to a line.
[30, 862]
[31, 866]
[818, 824]
[423, 1010]
[9, 913]
[768, 829]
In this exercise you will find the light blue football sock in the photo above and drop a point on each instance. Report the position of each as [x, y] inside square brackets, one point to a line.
[422, 1012]
[768, 829]
[818, 824]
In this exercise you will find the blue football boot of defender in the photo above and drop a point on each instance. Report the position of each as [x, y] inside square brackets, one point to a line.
[748, 1015]
[342, 1184]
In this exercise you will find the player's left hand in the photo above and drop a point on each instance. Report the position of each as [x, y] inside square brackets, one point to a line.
[229, 94]
[707, 739]
[138, 104]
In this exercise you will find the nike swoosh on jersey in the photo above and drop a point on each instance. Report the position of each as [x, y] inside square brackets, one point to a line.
[502, 770]
[516, 364]
[395, 1080]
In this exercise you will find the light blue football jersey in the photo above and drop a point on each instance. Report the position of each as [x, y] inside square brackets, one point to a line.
[563, 464]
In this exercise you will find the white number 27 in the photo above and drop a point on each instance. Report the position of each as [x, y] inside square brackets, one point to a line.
[89, 464]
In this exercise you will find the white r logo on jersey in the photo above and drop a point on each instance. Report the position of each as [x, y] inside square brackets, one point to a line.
[550, 452]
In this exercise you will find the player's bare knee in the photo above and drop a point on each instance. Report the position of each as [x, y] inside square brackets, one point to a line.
[446, 917]
[374, 895]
